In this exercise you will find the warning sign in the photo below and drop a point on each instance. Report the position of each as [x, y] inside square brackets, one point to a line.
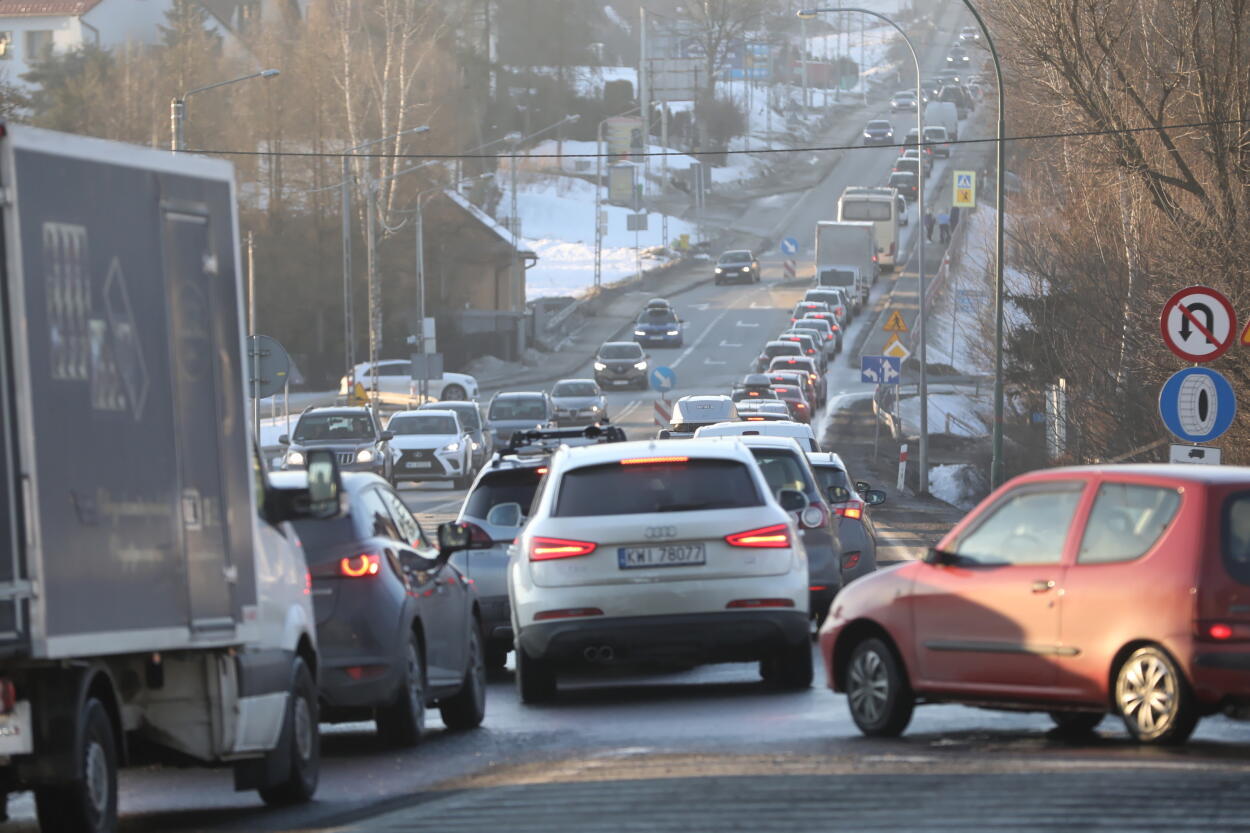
[965, 192]
[1245, 334]
[895, 323]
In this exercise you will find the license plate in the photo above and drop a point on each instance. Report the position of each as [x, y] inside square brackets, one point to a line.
[419, 465]
[672, 555]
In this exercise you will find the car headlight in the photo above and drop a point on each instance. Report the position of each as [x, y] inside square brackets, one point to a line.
[640, 365]
[451, 447]
[295, 458]
[746, 268]
[672, 332]
[365, 455]
[889, 134]
[867, 135]
[477, 446]
[719, 270]
[600, 366]
[640, 332]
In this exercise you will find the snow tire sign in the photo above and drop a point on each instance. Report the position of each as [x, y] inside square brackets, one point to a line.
[1198, 324]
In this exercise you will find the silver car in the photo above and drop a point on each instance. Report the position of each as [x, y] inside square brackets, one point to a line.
[578, 402]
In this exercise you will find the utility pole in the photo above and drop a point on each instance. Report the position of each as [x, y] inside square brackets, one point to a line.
[375, 289]
[349, 313]
[251, 327]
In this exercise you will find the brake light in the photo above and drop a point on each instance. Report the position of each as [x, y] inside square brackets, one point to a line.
[800, 405]
[1220, 632]
[358, 566]
[755, 419]
[766, 537]
[834, 327]
[546, 549]
[874, 258]
[810, 350]
[542, 469]
[8, 696]
[365, 672]
[754, 603]
[816, 588]
[644, 461]
[853, 509]
[567, 613]
[850, 560]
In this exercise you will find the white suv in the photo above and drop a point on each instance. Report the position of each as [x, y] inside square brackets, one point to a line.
[659, 551]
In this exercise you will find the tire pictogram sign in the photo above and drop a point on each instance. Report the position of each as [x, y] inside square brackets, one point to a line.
[1198, 324]
[1197, 404]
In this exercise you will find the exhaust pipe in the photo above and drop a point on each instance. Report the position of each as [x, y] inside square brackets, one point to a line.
[598, 653]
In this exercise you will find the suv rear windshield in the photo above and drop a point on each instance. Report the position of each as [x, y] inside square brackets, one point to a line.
[505, 409]
[790, 348]
[782, 470]
[505, 486]
[871, 210]
[620, 351]
[617, 489]
[1237, 536]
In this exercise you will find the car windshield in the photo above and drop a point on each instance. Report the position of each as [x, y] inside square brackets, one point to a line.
[470, 418]
[646, 488]
[505, 486]
[905, 179]
[319, 427]
[422, 424]
[833, 481]
[620, 351]
[837, 277]
[575, 389]
[657, 316]
[782, 470]
[518, 408]
[735, 257]
[935, 134]
[878, 125]
[788, 392]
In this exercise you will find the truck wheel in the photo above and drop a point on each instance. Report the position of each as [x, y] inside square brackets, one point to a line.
[467, 707]
[403, 721]
[300, 744]
[88, 805]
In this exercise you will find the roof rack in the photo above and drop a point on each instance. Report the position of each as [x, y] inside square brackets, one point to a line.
[537, 441]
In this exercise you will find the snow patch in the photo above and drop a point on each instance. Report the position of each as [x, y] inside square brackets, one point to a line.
[959, 485]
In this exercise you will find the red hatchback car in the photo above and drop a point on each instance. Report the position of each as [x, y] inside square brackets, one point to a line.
[1077, 592]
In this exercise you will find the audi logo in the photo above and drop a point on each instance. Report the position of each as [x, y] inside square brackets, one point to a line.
[655, 533]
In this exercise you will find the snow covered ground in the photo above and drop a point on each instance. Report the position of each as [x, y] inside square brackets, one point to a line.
[959, 485]
[954, 413]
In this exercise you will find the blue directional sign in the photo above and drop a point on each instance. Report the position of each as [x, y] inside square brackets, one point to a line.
[790, 246]
[1197, 404]
[663, 379]
[880, 370]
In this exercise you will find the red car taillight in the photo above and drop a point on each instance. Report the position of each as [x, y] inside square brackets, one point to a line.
[766, 537]
[853, 509]
[360, 566]
[547, 549]
[850, 560]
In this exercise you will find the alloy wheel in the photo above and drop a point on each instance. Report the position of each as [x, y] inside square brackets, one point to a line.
[868, 686]
[1147, 694]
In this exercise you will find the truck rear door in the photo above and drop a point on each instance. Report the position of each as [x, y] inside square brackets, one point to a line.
[12, 625]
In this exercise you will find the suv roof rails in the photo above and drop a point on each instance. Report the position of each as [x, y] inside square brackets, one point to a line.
[542, 441]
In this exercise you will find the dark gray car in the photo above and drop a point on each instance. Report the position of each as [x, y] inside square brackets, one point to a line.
[621, 363]
[518, 411]
[355, 437]
[578, 402]
[398, 628]
[471, 420]
[850, 503]
[785, 466]
[739, 265]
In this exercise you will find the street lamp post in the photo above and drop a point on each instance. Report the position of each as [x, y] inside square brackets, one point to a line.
[178, 107]
[598, 195]
[920, 329]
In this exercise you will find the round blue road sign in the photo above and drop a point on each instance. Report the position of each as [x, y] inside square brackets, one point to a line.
[663, 379]
[790, 246]
[1197, 404]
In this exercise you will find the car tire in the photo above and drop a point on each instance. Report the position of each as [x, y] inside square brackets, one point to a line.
[791, 669]
[88, 804]
[453, 393]
[403, 721]
[535, 680]
[467, 707]
[878, 693]
[497, 656]
[301, 742]
[1148, 677]
[462, 482]
[1076, 724]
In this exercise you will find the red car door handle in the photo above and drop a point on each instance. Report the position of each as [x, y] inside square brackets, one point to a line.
[1043, 586]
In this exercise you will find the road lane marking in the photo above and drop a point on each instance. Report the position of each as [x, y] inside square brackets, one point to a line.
[698, 341]
[713, 361]
[727, 344]
[748, 323]
[627, 410]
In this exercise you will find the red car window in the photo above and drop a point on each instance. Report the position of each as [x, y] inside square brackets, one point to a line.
[1126, 521]
[1028, 526]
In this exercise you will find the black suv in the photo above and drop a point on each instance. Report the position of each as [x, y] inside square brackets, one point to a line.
[355, 437]
[621, 363]
[737, 265]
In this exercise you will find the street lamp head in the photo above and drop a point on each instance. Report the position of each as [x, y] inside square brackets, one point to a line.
[806, 14]
[269, 73]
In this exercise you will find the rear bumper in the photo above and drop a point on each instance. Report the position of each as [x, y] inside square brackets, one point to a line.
[737, 636]
[1221, 676]
[340, 690]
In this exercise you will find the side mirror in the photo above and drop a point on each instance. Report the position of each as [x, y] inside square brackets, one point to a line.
[939, 557]
[792, 500]
[505, 514]
[873, 497]
[862, 485]
[285, 439]
[387, 436]
[453, 537]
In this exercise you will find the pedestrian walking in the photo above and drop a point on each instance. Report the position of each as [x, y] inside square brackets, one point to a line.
[954, 216]
[929, 222]
[944, 227]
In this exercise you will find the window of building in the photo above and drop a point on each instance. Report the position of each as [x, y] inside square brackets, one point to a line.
[38, 44]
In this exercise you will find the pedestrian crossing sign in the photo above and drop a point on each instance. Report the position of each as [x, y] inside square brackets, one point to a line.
[895, 323]
[965, 194]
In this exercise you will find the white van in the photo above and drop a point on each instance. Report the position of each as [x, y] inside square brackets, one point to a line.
[797, 431]
[878, 206]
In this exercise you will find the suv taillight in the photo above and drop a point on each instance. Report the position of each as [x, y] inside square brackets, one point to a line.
[547, 549]
[360, 566]
[765, 537]
[853, 509]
